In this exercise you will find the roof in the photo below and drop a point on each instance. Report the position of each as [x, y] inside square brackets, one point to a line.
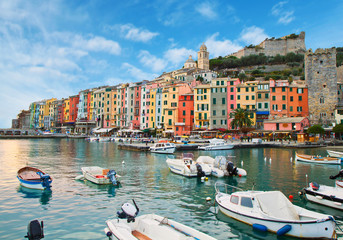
[286, 120]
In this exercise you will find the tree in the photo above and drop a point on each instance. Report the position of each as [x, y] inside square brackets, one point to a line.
[242, 77]
[316, 129]
[240, 119]
[338, 129]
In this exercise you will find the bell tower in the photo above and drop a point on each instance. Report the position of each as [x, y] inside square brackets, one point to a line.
[203, 58]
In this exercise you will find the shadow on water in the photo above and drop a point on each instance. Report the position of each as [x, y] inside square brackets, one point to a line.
[109, 188]
[43, 195]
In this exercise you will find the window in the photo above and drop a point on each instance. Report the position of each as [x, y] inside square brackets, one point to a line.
[283, 97]
[322, 115]
[291, 89]
[223, 100]
[184, 113]
[300, 90]
[246, 97]
[214, 112]
[222, 82]
[251, 115]
[192, 112]
[246, 202]
[259, 96]
[223, 112]
[231, 97]
[246, 89]
[231, 82]
[283, 89]
[214, 101]
[252, 89]
[214, 122]
[205, 116]
[239, 97]
[273, 98]
[217, 83]
[231, 106]
[259, 105]
[300, 109]
[184, 104]
[238, 90]
[291, 108]
[301, 98]
[266, 95]
[173, 96]
[321, 100]
[169, 121]
[170, 112]
[253, 97]
[238, 105]
[291, 98]
[234, 199]
[273, 89]
[283, 106]
[275, 107]
[266, 105]
[231, 89]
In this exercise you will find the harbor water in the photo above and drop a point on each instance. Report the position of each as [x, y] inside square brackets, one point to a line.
[75, 209]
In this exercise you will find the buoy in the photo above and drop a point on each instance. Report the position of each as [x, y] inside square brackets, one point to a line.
[206, 178]
[270, 159]
[285, 229]
[208, 199]
[259, 227]
[265, 159]
[202, 179]
[240, 175]
[291, 159]
[123, 162]
[290, 197]
[242, 163]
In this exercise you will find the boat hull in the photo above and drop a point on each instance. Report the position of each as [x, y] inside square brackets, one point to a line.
[319, 160]
[302, 229]
[153, 227]
[28, 177]
[177, 166]
[31, 184]
[164, 150]
[213, 148]
[335, 154]
[332, 197]
[95, 175]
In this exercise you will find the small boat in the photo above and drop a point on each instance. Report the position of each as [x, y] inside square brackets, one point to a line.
[163, 147]
[150, 226]
[100, 175]
[317, 159]
[187, 167]
[272, 211]
[216, 144]
[104, 139]
[221, 166]
[34, 178]
[93, 139]
[326, 195]
[335, 154]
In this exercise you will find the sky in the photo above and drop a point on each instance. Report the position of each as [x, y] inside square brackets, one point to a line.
[56, 48]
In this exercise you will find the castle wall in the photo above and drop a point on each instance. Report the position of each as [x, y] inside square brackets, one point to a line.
[321, 79]
[340, 74]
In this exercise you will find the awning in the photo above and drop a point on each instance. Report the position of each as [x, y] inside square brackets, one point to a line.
[103, 130]
[169, 131]
[262, 113]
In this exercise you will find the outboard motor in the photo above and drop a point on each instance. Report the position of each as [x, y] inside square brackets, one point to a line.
[232, 170]
[340, 174]
[128, 211]
[112, 176]
[46, 179]
[200, 172]
[314, 186]
[35, 230]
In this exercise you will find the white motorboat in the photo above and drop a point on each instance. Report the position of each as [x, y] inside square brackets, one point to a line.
[317, 159]
[104, 139]
[187, 167]
[216, 144]
[221, 166]
[100, 175]
[163, 147]
[150, 226]
[335, 154]
[93, 139]
[326, 195]
[272, 211]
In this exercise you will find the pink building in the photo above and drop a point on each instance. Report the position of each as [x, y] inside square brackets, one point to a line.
[231, 97]
[292, 124]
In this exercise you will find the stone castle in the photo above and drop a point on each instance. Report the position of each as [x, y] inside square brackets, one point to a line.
[272, 47]
[321, 79]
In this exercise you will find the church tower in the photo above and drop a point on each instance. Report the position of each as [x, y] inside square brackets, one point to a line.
[321, 80]
[203, 58]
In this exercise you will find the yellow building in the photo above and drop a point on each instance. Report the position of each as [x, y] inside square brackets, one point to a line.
[246, 98]
[114, 116]
[202, 103]
[66, 103]
[49, 115]
[152, 108]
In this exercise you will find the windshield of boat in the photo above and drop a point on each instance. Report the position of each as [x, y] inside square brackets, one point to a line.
[246, 202]
[234, 199]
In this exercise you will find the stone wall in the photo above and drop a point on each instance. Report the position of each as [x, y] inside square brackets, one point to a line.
[340, 74]
[273, 47]
[321, 79]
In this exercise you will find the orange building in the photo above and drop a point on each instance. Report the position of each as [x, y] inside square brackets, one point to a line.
[73, 108]
[185, 123]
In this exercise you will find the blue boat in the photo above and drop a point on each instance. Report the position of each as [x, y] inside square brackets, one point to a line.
[34, 178]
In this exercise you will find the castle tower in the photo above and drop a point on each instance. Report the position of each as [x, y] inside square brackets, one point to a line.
[203, 58]
[190, 63]
[321, 79]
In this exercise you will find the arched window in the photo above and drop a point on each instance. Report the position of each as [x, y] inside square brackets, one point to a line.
[321, 100]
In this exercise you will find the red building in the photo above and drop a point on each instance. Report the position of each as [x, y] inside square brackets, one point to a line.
[73, 108]
[137, 105]
[185, 123]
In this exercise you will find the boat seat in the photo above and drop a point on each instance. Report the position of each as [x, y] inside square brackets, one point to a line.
[29, 176]
[140, 235]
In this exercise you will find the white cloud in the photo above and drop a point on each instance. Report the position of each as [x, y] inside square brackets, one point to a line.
[220, 48]
[206, 10]
[178, 55]
[137, 73]
[253, 35]
[285, 16]
[156, 64]
[130, 32]
[97, 44]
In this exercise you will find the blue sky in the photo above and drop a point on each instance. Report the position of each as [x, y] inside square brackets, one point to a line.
[57, 48]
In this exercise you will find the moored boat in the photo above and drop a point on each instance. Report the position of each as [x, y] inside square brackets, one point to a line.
[216, 144]
[187, 167]
[317, 159]
[335, 154]
[221, 167]
[272, 211]
[163, 147]
[100, 175]
[34, 178]
[150, 226]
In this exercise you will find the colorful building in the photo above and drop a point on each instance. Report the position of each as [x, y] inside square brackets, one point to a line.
[202, 101]
[185, 122]
[218, 107]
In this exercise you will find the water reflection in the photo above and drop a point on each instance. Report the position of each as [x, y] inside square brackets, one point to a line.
[44, 196]
[109, 188]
